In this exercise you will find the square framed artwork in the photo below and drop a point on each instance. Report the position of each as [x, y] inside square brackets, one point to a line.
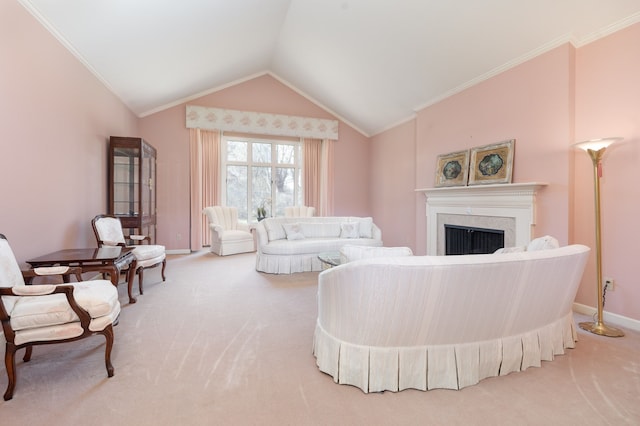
[492, 163]
[452, 169]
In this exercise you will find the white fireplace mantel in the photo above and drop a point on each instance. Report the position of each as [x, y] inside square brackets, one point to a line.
[514, 202]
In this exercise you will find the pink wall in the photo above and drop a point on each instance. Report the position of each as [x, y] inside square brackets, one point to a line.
[166, 131]
[392, 182]
[56, 118]
[608, 104]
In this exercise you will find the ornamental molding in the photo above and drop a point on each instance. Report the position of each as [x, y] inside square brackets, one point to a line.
[199, 117]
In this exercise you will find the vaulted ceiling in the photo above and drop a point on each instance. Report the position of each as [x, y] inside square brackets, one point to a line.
[372, 63]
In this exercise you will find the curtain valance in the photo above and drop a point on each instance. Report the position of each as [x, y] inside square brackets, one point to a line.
[199, 117]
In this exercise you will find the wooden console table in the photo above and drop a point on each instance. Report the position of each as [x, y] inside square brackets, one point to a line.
[106, 260]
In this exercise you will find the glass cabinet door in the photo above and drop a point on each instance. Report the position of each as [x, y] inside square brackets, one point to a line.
[126, 169]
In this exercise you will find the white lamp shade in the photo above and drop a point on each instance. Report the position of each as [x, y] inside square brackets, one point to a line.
[596, 144]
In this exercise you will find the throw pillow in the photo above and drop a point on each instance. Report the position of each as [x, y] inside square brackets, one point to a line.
[349, 230]
[274, 228]
[365, 226]
[293, 231]
[543, 243]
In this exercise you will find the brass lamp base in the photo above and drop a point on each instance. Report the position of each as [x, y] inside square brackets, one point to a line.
[601, 329]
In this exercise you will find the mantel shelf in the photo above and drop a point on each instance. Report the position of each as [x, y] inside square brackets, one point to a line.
[505, 188]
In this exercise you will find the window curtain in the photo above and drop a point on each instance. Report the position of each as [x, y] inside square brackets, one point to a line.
[204, 152]
[318, 179]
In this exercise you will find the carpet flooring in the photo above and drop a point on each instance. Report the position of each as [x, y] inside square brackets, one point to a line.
[221, 344]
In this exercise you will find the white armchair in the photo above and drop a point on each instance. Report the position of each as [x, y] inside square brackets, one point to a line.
[51, 313]
[299, 211]
[108, 231]
[228, 236]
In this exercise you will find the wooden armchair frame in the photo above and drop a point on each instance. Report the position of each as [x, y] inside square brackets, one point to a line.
[43, 290]
[137, 268]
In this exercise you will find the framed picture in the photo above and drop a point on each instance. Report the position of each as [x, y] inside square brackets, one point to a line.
[492, 163]
[452, 169]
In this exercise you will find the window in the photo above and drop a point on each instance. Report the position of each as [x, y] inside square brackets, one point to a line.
[258, 173]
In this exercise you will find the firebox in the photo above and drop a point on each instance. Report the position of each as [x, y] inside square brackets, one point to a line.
[471, 240]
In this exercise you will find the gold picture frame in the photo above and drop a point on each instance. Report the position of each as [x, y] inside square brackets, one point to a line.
[491, 164]
[452, 169]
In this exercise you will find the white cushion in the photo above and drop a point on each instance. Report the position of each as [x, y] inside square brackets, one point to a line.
[366, 226]
[232, 235]
[110, 230]
[349, 230]
[543, 243]
[293, 231]
[148, 251]
[274, 228]
[98, 297]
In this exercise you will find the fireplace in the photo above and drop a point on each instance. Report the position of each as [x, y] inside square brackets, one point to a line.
[509, 208]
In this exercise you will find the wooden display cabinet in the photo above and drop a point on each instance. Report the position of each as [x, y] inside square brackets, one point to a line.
[132, 178]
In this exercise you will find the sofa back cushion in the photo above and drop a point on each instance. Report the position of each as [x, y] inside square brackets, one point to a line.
[320, 230]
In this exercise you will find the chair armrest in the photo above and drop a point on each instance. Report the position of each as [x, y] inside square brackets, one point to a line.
[64, 271]
[262, 236]
[45, 290]
[217, 229]
[138, 238]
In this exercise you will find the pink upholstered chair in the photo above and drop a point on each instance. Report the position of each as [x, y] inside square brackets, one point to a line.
[108, 231]
[51, 313]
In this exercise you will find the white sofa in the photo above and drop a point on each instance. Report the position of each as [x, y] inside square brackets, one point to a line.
[287, 245]
[425, 322]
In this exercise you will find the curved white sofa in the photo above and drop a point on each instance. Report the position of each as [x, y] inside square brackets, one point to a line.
[287, 245]
[428, 322]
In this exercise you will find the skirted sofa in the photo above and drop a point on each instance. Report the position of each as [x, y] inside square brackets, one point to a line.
[426, 322]
[287, 245]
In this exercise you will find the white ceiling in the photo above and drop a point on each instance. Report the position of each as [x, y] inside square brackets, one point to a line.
[373, 63]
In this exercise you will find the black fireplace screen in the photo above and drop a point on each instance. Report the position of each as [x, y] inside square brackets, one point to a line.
[469, 240]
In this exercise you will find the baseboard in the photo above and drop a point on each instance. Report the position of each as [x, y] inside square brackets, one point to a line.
[608, 317]
[178, 251]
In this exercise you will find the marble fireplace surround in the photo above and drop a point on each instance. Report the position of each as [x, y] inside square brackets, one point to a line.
[508, 207]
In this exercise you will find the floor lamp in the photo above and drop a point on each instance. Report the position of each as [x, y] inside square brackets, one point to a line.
[596, 148]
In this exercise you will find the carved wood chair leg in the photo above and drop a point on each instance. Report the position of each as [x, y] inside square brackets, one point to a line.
[27, 353]
[10, 364]
[164, 264]
[108, 334]
[131, 275]
[140, 277]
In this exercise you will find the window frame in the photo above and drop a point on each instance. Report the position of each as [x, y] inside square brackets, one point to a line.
[298, 189]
